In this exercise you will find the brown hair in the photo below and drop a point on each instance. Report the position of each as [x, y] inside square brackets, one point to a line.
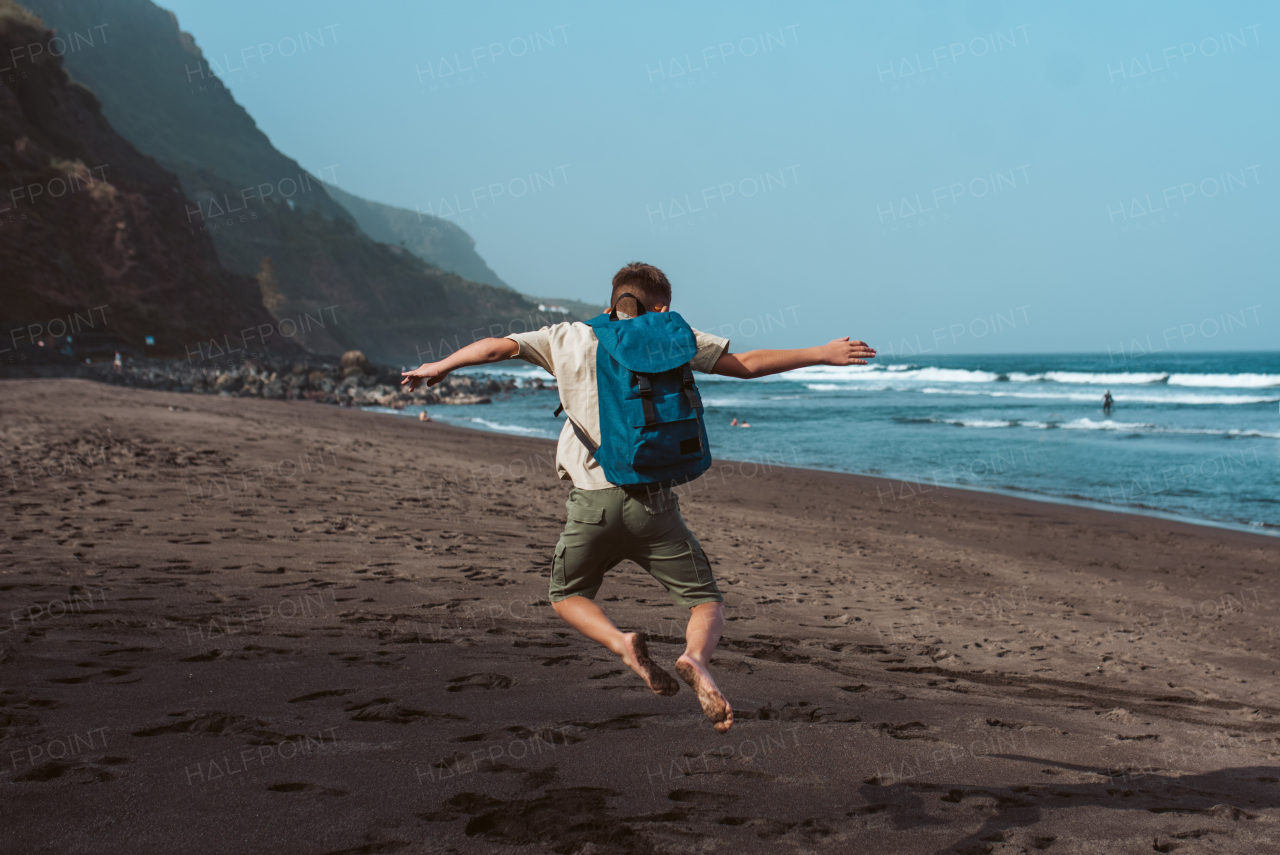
[644, 281]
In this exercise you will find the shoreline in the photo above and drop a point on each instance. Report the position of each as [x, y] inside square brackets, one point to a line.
[891, 481]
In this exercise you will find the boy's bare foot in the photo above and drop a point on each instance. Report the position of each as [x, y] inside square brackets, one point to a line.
[636, 657]
[714, 705]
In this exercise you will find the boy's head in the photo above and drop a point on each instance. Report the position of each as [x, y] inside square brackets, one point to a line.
[643, 281]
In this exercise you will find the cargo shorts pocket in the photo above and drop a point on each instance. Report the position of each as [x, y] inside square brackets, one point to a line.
[585, 514]
[557, 569]
[700, 563]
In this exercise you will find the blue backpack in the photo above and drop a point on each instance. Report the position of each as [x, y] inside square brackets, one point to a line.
[651, 427]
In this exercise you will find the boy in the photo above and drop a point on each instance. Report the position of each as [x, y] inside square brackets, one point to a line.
[608, 524]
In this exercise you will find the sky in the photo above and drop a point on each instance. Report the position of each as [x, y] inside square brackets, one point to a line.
[803, 171]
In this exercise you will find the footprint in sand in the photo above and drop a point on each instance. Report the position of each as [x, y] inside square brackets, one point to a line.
[84, 772]
[315, 696]
[389, 710]
[480, 681]
[568, 819]
[702, 797]
[299, 787]
[109, 673]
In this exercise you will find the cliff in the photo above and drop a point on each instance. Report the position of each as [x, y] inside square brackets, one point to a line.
[267, 217]
[91, 229]
[438, 242]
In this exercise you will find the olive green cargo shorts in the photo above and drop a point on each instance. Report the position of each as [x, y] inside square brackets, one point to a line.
[606, 527]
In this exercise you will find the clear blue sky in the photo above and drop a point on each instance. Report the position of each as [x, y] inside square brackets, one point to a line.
[1104, 173]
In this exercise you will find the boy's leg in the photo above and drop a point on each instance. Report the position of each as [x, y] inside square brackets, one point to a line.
[705, 624]
[589, 619]
[586, 551]
[673, 556]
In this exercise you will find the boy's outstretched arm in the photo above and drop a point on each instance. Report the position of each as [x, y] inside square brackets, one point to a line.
[762, 363]
[477, 353]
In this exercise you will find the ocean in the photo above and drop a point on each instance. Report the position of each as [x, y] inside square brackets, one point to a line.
[1192, 436]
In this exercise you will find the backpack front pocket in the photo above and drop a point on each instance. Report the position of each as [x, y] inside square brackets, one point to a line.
[666, 444]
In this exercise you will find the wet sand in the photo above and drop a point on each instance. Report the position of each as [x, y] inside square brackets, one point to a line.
[238, 625]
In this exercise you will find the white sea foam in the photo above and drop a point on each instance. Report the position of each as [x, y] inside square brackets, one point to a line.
[1146, 427]
[929, 374]
[950, 375]
[1126, 397]
[854, 373]
[1106, 425]
[412, 412]
[710, 401]
[981, 423]
[1215, 381]
[837, 387]
[1226, 381]
[498, 426]
[508, 428]
[1087, 379]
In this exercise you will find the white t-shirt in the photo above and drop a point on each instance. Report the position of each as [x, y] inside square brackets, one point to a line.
[568, 352]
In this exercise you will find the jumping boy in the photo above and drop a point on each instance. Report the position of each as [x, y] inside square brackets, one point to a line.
[608, 523]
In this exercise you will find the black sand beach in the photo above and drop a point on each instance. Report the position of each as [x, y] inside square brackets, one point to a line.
[236, 625]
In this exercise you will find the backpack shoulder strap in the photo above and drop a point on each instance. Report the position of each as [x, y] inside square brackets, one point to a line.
[690, 390]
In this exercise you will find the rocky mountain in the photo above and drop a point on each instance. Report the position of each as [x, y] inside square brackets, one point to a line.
[90, 233]
[268, 218]
[160, 93]
[438, 242]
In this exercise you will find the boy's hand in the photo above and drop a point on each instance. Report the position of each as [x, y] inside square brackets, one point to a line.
[845, 352]
[429, 371]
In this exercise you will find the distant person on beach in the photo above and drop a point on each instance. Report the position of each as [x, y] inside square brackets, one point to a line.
[604, 378]
[118, 364]
[1107, 401]
[423, 417]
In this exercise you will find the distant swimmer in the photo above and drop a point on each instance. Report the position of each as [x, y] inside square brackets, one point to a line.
[734, 423]
[1107, 402]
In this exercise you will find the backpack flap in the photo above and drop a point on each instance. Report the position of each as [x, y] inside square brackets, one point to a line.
[650, 344]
